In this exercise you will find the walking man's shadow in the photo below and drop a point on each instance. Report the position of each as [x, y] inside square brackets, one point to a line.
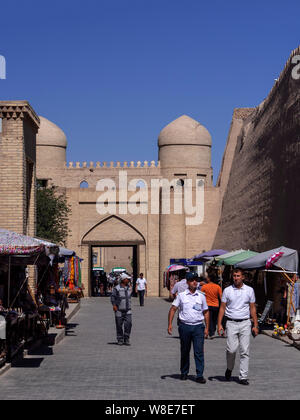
[223, 379]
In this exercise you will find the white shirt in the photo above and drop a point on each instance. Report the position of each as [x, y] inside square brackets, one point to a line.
[238, 301]
[191, 307]
[141, 283]
[179, 287]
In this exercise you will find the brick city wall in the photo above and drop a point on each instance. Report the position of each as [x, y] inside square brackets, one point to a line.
[260, 208]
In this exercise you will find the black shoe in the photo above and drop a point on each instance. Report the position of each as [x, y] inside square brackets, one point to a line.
[127, 343]
[243, 381]
[120, 343]
[201, 380]
[183, 376]
[228, 374]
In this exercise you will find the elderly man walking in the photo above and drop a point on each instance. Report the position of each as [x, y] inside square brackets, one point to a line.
[121, 301]
[238, 304]
[193, 327]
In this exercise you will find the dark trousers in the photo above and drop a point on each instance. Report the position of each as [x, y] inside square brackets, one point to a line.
[191, 334]
[141, 296]
[123, 325]
[213, 319]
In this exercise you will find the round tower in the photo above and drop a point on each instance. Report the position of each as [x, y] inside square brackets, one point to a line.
[185, 143]
[51, 145]
[184, 153]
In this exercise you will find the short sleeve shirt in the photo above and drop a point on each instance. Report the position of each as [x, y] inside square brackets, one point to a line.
[191, 307]
[141, 284]
[238, 301]
[179, 287]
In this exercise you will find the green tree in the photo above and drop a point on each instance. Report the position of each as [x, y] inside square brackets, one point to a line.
[52, 214]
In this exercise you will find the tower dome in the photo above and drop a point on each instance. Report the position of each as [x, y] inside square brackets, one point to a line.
[51, 144]
[50, 134]
[184, 130]
[185, 143]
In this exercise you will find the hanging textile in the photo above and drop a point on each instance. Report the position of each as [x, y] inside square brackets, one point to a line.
[71, 274]
[71, 279]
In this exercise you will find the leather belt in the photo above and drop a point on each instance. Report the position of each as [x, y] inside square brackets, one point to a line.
[237, 320]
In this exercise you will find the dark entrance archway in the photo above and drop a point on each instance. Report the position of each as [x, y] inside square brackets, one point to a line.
[101, 265]
[113, 232]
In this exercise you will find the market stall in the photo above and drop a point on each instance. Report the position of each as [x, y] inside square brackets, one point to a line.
[279, 267]
[70, 282]
[225, 263]
[20, 320]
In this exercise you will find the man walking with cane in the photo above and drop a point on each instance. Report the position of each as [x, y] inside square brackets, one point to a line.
[193, 311]
[238, 304]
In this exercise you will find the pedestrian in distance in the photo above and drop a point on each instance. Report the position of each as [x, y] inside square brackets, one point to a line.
[141, 288]
[238, 304]
[213, 294]
[193, 327]
[121, 301]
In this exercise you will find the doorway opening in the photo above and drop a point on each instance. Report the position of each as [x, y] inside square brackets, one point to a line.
[107, 262]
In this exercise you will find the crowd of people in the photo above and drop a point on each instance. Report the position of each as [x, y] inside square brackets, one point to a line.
[204, 310]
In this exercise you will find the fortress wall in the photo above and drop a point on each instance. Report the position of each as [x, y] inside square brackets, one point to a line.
[260, 208]
[73, 173]
[238, 118]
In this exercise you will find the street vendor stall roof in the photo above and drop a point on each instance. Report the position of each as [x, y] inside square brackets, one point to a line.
[63, 252]
[12, 243]
[209, 254]
[288, 260]
[221, 257]
[239, 257]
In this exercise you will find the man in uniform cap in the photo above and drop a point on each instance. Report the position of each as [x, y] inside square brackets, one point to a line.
[121, 301]
[193, 326]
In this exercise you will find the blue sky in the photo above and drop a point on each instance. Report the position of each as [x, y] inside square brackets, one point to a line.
[113, 73]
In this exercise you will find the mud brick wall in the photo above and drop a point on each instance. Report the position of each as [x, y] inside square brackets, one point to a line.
[261, 203]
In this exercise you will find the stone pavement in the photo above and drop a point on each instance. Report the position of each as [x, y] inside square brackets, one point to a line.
[88, 364]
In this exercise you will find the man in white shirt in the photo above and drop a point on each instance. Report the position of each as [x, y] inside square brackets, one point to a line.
[141, 288]
[238, 304]
[193, 327]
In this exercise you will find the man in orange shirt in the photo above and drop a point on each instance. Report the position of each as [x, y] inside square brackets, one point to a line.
[213, 294]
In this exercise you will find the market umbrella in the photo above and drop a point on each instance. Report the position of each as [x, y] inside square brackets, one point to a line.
[239, 257]
[287, 260]
[176, 267]
[228, 254]
[209, 254]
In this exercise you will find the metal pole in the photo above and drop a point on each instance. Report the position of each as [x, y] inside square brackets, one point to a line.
[8, 286]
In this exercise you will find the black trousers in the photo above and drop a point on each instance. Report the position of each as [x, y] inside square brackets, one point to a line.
[123, 325]
[141, 296]
[213, 319]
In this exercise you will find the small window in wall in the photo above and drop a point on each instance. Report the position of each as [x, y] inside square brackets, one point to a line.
[140, 184]
[42, 183]
[180, 182]
[84, 184]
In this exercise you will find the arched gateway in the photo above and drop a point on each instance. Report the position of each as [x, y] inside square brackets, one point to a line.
[114, 232]
[134, 213]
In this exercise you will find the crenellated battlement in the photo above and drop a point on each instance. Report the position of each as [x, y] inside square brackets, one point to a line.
[112, 165]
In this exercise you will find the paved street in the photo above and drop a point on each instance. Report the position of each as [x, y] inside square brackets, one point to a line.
[88, 364]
